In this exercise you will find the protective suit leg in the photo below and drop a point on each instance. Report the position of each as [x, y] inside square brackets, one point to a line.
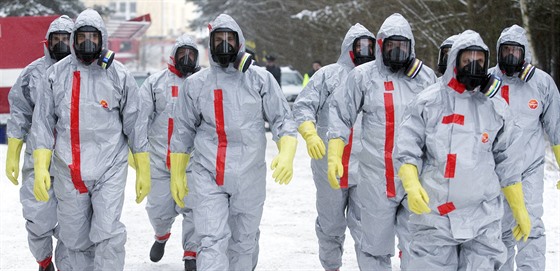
[403, 233]
[74, 214]
[353, 216]
[246, 207]
[107, 232]
[211, 214]
[189, 238]
[330, 224]
[41, 218]
[485, 251]
[433, 249]
[378, 222]
[89, 222]
[161, 206]
[530, 254]
[61, 261]
[254, 257]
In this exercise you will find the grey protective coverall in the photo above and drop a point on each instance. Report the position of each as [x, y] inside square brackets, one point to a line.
[163, 89]
[41, 219]
[336, 209]
[465, 147]
[381, 96]
[536, 104]
[221, 115]
[95, 112]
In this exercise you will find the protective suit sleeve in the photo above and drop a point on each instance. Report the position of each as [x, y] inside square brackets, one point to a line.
[550, 116]
[178, 183]
[42, 161]
[307, 104]
[411, 138]
[143, 178]
[418, 199]
[21, 101]
[276, 108]
[44, 118]
[346, 102]
[556, 150]
[131, 161]
[315, 145]
[507, 146]
[283, 163]
[335, 169]
[186, 119]
[12, 159]
[135, 117]
[514, 196]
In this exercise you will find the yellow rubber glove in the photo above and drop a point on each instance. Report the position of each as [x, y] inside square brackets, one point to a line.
[335, 169]
[143, 176]
[131, 162]
[12, 159]
[42, 158]
[179, 188]
[514, 196]
[283, 163]
[556, 150]
[315, 145]
[418, 199]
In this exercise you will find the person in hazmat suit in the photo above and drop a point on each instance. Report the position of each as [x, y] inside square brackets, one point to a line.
[219, 118]
[458, 146]
[163, 89]
[380, 90]
[443, 54]
[336, 208]
[89, 112]
[533, 97]
[41, 219]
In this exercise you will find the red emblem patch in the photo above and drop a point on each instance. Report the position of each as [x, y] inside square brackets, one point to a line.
[104, 103]
[533, 104]
[484, 137]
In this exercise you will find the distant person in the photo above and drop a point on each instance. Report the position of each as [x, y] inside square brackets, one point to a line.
[316, 66]
[163, 88]
[273, 68]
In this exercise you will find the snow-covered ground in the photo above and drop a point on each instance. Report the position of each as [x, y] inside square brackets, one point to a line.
[288, 240]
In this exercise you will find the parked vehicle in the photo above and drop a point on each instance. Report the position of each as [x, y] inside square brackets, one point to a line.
[291, 83]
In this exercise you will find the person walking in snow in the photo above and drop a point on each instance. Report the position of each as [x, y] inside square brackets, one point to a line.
[41, 219]
[219, 119]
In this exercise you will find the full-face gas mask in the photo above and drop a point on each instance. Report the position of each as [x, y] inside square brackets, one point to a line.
[185, 60]
[472, 71]
[511, 59]
[396, 54]
[88, 47]
[224, 48]
[58, 44]
[362, 50]
[442, 58]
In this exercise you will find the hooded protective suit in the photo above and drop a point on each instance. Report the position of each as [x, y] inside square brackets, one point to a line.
[163, 89]
[381, 96]
[447, 42]
[41, 219]
[221, 115]
[536, 104]
[336, 208]
[465, 147]
[95, 113]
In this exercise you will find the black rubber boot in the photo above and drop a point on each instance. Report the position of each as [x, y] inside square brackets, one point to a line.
[50, 267]
[157, 251]
[190, 265]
